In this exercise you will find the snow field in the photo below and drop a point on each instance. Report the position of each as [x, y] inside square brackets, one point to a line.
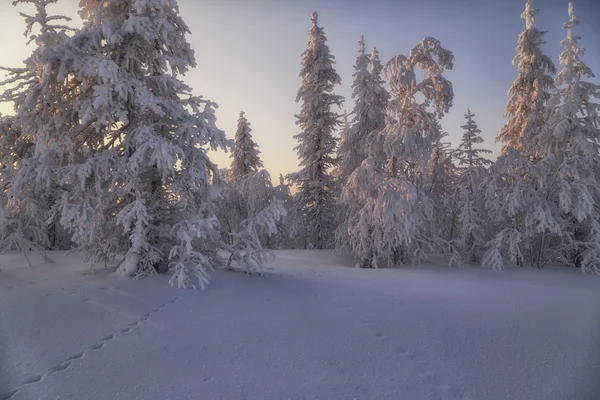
[310, 329]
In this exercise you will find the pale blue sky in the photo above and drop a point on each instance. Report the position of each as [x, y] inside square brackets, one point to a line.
[248, 54]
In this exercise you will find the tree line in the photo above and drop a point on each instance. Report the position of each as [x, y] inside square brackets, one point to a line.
[394, 190]
[108, 152]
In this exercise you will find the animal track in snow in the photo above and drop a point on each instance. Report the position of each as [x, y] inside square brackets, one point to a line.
[61, 367]
[33, 379]
[75, 356]
[8, 395]
[68, 362]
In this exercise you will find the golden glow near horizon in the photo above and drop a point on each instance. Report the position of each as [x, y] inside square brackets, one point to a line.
[271, 113]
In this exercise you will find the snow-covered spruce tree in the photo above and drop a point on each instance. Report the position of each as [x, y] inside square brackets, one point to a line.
[246, 248]
[245, 156]
[245, 163]
[257, 191]
[509, 196]
[261, 213]
[247, 194]
[136, 178]
[231, 207]
[370, 101]
[571, 146]
[443, 190]
[285, 238]
[29, 191]
[343, 137]
[570, 168]
[381, 96]
[246, 226]
[316, 147]
[530, 91]
[555, 196]
[341, 218]
[394, 181]
[468, 154]
[472, 170]
[573, 113]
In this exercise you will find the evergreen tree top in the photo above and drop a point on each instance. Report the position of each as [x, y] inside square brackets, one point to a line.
[530, 90]
[574, 67]
[368, 114]
[376, 65]
[245, 153]
[51, 33]
[317, 72]
[529, 15]
[466, 153]
[361, 45]
[574, 123]
[47, 23]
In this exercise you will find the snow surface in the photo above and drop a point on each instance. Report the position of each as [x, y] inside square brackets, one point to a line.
[310, 329]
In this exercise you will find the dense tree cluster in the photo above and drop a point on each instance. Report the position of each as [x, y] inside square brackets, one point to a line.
[113, 147]
[108, 152]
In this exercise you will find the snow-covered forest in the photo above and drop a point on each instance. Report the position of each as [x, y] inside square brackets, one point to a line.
[112, 192]
[108, 152]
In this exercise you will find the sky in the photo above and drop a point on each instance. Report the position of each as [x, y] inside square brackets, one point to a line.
[249, 51]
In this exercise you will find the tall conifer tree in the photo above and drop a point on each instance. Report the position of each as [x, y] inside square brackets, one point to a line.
[316, 148]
